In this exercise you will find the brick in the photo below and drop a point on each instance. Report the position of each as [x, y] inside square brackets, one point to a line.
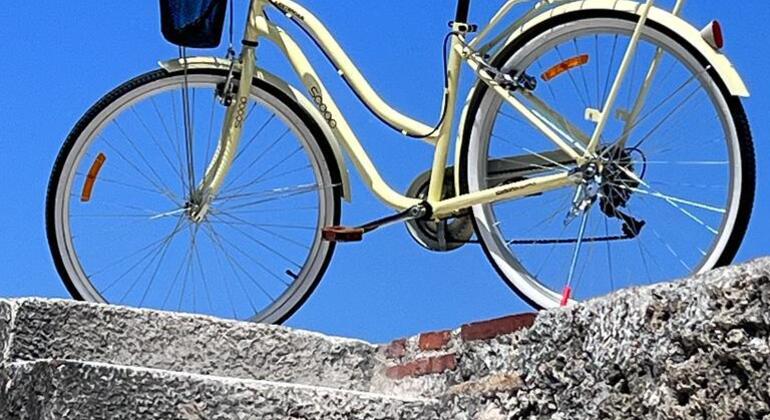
[423, 367]
[398, 372]
[434, 340]
[503, 382]
[396, 349]
[496, 327]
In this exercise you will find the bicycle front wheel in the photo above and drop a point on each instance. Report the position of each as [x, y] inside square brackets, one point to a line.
[119, 218]
[689, 143]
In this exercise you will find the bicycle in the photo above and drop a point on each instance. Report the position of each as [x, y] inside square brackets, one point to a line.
[604, 145]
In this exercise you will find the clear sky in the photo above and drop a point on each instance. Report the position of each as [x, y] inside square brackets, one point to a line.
[59, 57]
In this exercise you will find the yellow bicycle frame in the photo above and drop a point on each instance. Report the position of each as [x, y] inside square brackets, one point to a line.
[581, 147]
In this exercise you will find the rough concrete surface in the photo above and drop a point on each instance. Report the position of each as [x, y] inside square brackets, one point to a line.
[184, 343]
[694, 349]
[47, 390]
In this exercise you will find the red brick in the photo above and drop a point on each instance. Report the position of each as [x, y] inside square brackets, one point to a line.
[434, 340]
[422, 367]
[496, 327]
[396, 349]
[397, 372]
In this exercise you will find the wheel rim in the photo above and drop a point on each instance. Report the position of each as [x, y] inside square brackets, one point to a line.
[257, 255]
[516, 265]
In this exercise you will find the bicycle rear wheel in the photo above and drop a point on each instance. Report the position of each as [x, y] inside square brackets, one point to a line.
[118, 208]
[690, 144]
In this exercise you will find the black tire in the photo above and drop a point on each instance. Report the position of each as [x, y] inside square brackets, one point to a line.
[747, 153]
[154, 76]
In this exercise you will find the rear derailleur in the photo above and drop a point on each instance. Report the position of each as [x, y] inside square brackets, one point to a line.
[617, 190]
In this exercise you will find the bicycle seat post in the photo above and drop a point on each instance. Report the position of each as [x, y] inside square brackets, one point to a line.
[463, 10]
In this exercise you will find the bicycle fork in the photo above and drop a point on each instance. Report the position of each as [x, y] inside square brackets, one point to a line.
[232, 131]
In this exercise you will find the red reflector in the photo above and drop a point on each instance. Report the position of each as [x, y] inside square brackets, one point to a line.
[719, 38]
[566, 296]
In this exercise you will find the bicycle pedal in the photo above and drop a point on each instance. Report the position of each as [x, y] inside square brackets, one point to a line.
[343, 234]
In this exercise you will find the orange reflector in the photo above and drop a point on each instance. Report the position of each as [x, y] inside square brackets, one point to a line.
[564, 67]
[88, 187]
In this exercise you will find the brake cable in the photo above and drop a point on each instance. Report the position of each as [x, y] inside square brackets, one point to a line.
[227, 91]
[187, 124]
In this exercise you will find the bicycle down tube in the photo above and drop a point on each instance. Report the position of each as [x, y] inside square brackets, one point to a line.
[259, 26]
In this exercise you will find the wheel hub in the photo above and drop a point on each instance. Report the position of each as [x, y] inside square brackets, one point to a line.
[198, 208]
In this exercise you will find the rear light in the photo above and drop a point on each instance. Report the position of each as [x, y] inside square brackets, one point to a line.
[714, 35]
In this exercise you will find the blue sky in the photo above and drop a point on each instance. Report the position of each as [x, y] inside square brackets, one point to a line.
[60, 57]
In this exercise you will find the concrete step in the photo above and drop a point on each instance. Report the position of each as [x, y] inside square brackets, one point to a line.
[695, 348]
[52, 389]
[33, 329]
[423, 366]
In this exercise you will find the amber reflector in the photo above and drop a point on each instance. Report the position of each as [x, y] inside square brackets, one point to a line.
[564, 67]
[93, 173]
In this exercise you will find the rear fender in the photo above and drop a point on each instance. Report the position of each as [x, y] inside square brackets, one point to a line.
[692, 35]
[720, 63]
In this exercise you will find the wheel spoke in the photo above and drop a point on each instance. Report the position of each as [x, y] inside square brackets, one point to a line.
[266, 228]
[672, 199]
[246, 272]
[278, 194]
[255, 136]
[161, 185]
[134, 241]
[262, 245]
[257, 159]
[216, 239]
[262, 176]
[155, 252]
[155, 141]
[609, 255]
[158, 187]
[174, 144]
[671, 250]
[230, 194]
[572, 79]
[677, 164]
[665, 101]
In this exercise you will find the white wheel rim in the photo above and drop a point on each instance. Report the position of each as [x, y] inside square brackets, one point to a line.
[316, 257]
[501, 256]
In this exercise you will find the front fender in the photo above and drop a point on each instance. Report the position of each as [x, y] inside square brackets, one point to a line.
[720, 63]
[216, 63]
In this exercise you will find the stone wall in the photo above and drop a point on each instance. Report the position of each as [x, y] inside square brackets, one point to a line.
[692, 349]
[697, 348]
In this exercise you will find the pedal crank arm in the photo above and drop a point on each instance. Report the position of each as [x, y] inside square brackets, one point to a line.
[412, 213]
[356, 234]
